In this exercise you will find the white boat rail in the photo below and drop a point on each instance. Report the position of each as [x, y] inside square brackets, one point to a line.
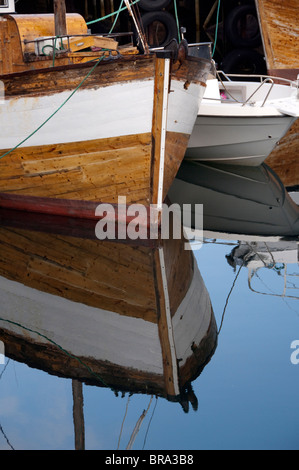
[264, 80]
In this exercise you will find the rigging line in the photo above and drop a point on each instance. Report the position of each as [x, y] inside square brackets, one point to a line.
[56, 111]
[251, 247]
[227, 299]
[123, 422]
[111, 14]
[4, 368]
[138, 16]
[217, 27]
[6, 438]
[177, 19]
[150, 421]
[137, 26]
[116, 18]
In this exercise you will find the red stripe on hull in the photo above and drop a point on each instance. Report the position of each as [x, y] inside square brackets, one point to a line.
[54, 206]
[74, 217]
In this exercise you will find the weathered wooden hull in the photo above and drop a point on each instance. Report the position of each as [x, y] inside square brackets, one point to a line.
[284, 159]
[131, 318]
[280, 31]
[124, 132]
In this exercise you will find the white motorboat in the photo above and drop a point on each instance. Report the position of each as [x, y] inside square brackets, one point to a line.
[240, 122]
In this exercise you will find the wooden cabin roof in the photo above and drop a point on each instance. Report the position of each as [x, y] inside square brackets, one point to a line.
[18, 52]
[31, 27]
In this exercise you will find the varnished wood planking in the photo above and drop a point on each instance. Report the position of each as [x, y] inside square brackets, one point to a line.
[284, 159]
[280, 31]
[179, 267]
[176, 145]
[159, 94]
[64, 266]
[279, 23]
[60, 78]
[165, 332]
[97, 171]
[178, 264]
[105, 275]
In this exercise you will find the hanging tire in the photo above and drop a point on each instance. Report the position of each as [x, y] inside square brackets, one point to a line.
[244, 61]
[153, 5]
[242, 27]
[160, 28]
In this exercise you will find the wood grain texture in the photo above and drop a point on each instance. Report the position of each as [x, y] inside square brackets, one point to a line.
[100, 171]
[107, 275]
[279, 23]
[284, 159]
[15, 30]
[115, 277]
[52, 80]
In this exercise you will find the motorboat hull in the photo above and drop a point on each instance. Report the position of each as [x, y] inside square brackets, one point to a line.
[236, 140]
[241, 122]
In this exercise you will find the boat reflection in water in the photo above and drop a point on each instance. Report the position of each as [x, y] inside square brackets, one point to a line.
[132, 318]
[250, 208]
[281, 257]
[236, 199]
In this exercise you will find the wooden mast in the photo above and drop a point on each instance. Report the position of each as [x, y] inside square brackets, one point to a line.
[60, 17]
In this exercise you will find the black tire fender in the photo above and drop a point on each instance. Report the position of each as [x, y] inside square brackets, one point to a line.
[168, 22]
[245, 61]
[233, 29]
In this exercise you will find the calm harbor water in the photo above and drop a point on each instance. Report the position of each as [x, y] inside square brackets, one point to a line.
[247, 393]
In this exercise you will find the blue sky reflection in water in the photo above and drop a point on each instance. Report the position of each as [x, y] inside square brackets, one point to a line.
[247, 394]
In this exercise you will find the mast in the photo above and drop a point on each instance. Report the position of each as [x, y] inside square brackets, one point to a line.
[60, 18]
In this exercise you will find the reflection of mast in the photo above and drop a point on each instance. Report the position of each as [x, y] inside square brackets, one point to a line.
[78, 415]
